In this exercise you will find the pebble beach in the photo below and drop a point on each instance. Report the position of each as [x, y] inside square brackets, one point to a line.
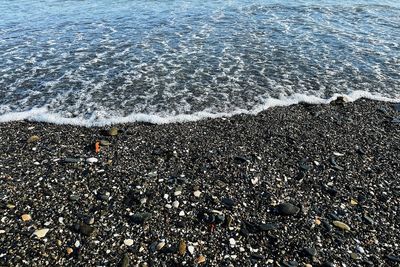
[303, 185]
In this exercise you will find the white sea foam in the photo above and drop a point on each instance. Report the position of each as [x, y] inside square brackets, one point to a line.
[43, 114]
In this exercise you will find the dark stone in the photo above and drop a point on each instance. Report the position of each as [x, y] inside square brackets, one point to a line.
[220, 218]
[140, 218]
[393, 258]
[287, 209]
[257, 257]
[290, 263]
[72, 160]
[334, 217]
[267, 226]
[228, 202]
[309, 252]
[327, 264]
[240, 159]
[397, 106]
[84, 229]
[327, 225]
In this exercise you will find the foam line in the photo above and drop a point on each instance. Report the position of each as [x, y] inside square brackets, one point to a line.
[43, 114]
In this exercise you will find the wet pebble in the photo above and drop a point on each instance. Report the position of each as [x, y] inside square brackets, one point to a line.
[287, 209]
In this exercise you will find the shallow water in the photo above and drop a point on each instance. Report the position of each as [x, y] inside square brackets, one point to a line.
[88, 62]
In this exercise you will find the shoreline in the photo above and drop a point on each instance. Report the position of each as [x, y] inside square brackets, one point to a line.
[206, 192]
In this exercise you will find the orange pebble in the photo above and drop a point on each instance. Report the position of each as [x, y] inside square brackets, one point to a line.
[97, 147]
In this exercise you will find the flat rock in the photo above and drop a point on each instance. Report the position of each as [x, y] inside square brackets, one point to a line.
[287, 209]
[40, 233]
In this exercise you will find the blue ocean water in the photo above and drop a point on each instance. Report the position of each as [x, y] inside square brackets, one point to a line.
[94, 62]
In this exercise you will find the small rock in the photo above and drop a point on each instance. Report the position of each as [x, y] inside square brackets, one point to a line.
[140, 218]
[181, 213]
[77, 244]
[69, 250]
[368, 219]
[287, 209]
[113, 131]
[33, 139]
[182, 248]
[128, 242]
[125, 261]
[232, 242]
[393, 258]
[41, 232]
[191, 249]
[201, 259]
[26, 217]
[105, 142]
[327, 264]
[360, 249]
[10, 206]
[228, 202]
[310, 252]
[84, 229]
[175, 204]
[160, 245]
[72, 160]
[197, 193]
[354, 256]
[341, 225]
[177, 193]
[92, 160]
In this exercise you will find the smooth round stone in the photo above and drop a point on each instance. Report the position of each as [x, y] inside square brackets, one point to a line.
[33, 139]
[168, 206]
[287, 209]
[177, 193]
[341, 225]
[232, 242]
[113, 131]
[182, 213]
[128, 242]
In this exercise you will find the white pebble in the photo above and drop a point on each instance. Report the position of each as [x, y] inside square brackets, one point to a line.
[166, 196]
[182, 213]
[191, 249]
[41, 232]
[143, 200]
[168, 206]
[128, 242]
[2, 231]
[77, 244]
[197, 193]
[177, 193]
[175, 204]
[232, 242]
[360, 249]
[92, 160]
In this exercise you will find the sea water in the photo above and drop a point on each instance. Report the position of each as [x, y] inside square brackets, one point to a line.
[96, 62]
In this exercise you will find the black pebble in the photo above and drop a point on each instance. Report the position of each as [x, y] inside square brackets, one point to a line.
[287, 209]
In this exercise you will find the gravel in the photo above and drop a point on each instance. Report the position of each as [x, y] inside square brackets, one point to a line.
[291, 186]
